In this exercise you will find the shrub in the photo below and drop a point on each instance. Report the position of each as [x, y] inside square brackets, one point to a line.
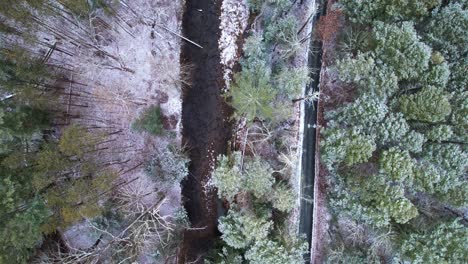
[270, 251]
[150, 121]
[227, 176]
[438, 73]
[283, 32]
[170, 165]
[290, 81]
[258, 177]
[397, 164]
[439, 133]
[392, 129]
[413, 142]
[366, 111]
[346, 146]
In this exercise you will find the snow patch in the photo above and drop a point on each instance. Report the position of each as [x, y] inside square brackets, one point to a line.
[234, 16]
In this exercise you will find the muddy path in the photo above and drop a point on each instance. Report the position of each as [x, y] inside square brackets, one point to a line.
[206, 127]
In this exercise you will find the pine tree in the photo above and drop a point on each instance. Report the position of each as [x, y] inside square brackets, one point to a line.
[397, 164]
[252, 94]
[258, 177]
[445, 243]
[227, 176]
[399, 47]
[240, 229]
[372, 78]
[388, 10]
[447, 31]
[429, 105]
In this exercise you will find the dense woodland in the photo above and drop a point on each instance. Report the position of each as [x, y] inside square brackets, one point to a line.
[394, 145]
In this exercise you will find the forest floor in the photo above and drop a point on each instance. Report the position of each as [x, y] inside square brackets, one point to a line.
[130, 62]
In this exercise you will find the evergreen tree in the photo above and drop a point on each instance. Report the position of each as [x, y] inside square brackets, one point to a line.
[240, 229]
[227, 176]
[429, 105]
[388, 10]
[372, 78]
[252, 95]
[445, 243]
[258, 177]
[446, 31]
[399, 47]
[397, 164]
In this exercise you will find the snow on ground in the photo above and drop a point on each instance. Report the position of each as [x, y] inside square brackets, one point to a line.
[234, 16]
[121, 66]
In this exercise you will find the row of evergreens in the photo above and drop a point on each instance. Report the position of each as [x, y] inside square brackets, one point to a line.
[256, 185]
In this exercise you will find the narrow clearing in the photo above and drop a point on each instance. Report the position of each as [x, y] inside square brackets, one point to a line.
[206, 126]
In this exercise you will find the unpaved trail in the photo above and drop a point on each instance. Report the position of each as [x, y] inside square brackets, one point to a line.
[206, 126]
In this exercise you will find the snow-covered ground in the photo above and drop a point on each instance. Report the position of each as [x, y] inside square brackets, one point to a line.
[121, 65]
[234, 17]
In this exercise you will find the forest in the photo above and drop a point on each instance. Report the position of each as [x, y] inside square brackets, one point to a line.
[394, 138]
[98, 162]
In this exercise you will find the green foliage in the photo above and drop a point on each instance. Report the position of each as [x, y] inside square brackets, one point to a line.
[449, 157]
[429, 105]
[291, 81]
[21, 231]
[227, 176]
[439, 133]
[255, 5]
[413, 142]
[268, 251]
[283, 32]
[438, 72]
[252, 95]
[459, 116]
[284, 198]
[254, 52]
[399, 47]
[458, 80]
[150, 121]
[365, 11]
[411, 101]
[169, 165]
[348, 146]
[397, 164]
[240, 229]
[258, 177]
[379, 202]
[76, 141]
[447, 33]
[366, 111]
[392, 129]
[373, 79]
[446, 243]
[227, 255]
